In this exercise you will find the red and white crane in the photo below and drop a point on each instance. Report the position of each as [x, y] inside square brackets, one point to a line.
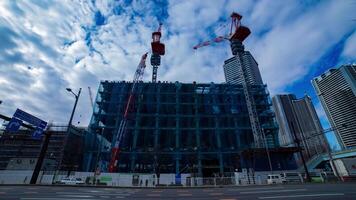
[236, 32]
[240, 33]
[158, 50]
[115, 150]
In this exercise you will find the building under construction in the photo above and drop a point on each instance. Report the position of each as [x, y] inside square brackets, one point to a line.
[183, 128]
[199, 128]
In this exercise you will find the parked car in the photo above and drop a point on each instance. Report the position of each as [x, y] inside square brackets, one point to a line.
[275, 179]
[71, 181]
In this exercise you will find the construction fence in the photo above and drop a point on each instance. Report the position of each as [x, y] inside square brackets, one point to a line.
[151, 180]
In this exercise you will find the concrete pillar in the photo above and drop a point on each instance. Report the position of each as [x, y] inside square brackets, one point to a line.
[177, 130]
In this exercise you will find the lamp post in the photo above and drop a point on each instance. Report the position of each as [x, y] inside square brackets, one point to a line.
[267, 150]
[297, 141]
[75, 104]
[69, 125]
[97, 168]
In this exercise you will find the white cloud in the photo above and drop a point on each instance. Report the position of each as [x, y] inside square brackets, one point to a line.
[349, 52]
[64, 48]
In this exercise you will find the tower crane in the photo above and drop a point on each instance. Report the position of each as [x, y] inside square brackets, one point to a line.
[115, 150]
[158, 50]
[91, 97]
[238, 34]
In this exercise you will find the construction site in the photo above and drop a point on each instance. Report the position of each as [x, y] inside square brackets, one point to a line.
[201, 129]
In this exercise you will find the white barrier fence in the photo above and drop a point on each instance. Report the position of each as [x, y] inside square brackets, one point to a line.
[145, 180]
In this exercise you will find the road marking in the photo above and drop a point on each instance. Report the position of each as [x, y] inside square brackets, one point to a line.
[30, 192]
[303, 195]
[2, 192]
[260, 188]
[156, 191]
[78, 196]
[153, 195]
[50, 198]
[272, 191]
[185, 195]
[184, 191]
[216, 194]
[227, 199]
[104, 194]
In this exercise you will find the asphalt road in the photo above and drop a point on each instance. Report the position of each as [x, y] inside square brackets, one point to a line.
[293, 192]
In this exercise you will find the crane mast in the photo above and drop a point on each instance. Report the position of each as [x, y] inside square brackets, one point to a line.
[122, 127]
[91, 97]
[158, 50]
[238, 34]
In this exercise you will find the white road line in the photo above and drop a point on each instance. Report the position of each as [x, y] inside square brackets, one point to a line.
[78, 196]
[260, 188]
[272, 191]
[303, 195]
[50, 198]
[97, 194]
[30, 192]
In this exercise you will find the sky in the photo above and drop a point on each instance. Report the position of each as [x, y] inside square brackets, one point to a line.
[49, 45]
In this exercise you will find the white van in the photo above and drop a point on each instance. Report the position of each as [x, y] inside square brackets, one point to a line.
[274, 179]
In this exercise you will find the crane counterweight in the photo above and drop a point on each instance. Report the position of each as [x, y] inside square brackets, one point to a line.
[158, 50]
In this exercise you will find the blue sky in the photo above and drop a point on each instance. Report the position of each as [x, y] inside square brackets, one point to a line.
[47, 46]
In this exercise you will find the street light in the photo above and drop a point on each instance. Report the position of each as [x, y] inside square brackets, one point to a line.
[75, 104]
[297, 141]
[267, 150]
[69, 124]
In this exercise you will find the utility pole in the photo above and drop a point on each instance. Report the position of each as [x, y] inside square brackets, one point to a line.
[267, 150]
[68, 130]
[98, 156]
[41, 157]
[70, 120]
[297, 141]
[75, 105]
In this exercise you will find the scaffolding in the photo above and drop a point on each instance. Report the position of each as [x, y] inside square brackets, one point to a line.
[178, 127]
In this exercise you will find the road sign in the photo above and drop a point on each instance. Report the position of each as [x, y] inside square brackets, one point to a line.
[13, 125]
[20, 114]
[37, 134]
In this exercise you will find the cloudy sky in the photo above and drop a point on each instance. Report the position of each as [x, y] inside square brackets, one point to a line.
[46, 46]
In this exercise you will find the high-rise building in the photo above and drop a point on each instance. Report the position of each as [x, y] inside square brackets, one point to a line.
[175, 128]
[336, 90]
[248, 64]
[298, 118]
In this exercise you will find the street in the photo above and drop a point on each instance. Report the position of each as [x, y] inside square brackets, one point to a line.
[309, 191]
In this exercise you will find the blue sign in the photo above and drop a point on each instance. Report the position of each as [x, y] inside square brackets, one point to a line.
[22, 115]
[178, 179]
[13, 125]
[37, 134]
